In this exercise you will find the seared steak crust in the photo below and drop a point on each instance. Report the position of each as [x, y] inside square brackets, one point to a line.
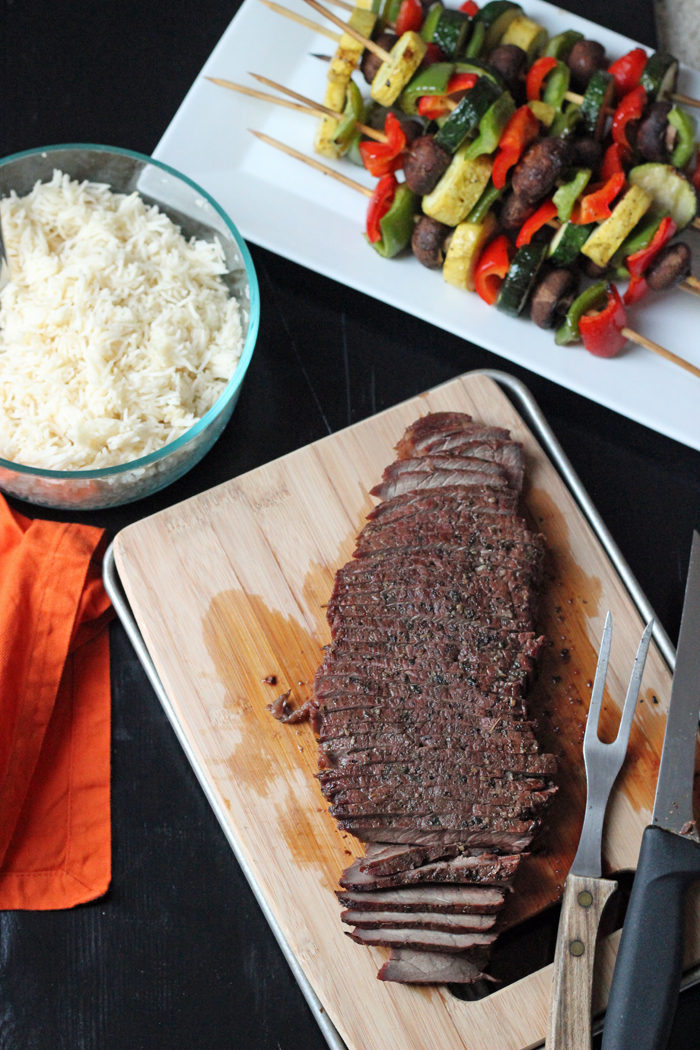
[426, 749]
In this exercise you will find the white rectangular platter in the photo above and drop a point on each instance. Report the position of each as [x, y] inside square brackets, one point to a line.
[282, 205]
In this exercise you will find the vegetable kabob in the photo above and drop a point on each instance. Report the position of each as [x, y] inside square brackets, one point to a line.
[461, 179]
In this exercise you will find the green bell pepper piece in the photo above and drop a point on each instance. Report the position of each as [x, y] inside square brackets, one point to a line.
[430, 81]
[390, 11]
[567, 195]
[354, 111]
[482, 69]
[476, 41]
[492, 126]
[564, 123]
[592, 296]
[431, 20]
[484, 203]
[639, 238]
[560, 45]
[557, 85]
[685, 140]
[397, 225]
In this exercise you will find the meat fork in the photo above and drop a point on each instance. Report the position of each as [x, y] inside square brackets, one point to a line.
[585, 892]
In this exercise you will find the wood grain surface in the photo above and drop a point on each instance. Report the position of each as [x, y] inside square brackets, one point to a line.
[229, 588]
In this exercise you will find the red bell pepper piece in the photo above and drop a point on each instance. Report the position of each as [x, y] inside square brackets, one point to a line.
[538, 71]
[434, 106]
[615, 156]
[544, 213]
[636, 290]
[379, 204]
[522, 129]
[492, 268]
[639, 262]
[628, 70]
[382, 158]
[410, 17]
[602, 332]
[631, 108]
[433, 54]
[695, 177]
[595, 207]
[469, 8]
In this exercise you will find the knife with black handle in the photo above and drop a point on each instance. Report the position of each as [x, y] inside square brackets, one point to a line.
[647, 975]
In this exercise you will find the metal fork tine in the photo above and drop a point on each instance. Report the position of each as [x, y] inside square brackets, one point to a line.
[623, 733]
[591, 735]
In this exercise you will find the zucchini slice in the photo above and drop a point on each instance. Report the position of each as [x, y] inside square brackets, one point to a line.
[394, 74]
[597, 101]
[520, 279]
[671, 191]
[495, 17]
[464, 120]
[459, 188]
[528, 35]
[607, 238]
[451, 33]
[566, 244]
[468, 242]
[660, 76]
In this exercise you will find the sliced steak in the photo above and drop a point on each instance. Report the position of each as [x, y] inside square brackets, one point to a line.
[409, 966]
[456, 899]
[422, 940]
[419, 920]
[506, 841]
[420, 479]
[484, 869]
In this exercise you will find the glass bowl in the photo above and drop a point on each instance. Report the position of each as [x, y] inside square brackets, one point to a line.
[197, 215]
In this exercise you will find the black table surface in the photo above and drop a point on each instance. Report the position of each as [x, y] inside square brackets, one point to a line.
[177, 954]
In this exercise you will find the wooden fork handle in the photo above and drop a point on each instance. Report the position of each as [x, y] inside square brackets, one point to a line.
[569, 1025]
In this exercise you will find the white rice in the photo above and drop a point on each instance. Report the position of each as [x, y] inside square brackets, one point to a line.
[116, 333]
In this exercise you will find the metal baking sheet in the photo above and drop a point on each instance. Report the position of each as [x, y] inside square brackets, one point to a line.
[533, 416]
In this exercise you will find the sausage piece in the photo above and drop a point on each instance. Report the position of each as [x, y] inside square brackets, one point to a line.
[424, 164]
[537, 172]
[369, 66]
[651, 133]
[670, 266]
[511, 62]
[514, 212]
[586, 58]
[428, 242]
[555, 288]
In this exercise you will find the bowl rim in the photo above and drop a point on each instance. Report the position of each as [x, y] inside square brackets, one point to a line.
[232, 387]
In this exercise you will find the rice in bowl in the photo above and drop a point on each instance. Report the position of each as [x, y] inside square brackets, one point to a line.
[116, 333]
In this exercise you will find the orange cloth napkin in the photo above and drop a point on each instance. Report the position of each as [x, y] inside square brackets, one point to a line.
[55, 843]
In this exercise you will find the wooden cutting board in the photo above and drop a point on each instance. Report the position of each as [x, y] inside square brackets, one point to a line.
[229, 588]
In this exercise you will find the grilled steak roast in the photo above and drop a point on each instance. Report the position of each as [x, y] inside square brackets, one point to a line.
[427, 753]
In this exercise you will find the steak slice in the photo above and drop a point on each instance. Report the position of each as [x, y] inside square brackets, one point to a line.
[427, 428]
[508, 842]
[422, 940]
[485, 869]
[419, 920]
[477, 499]
[408, 966]
[417, 480]
[456, 899]
[454, 461]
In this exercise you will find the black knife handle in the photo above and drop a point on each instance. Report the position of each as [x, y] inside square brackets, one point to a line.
[647, 973]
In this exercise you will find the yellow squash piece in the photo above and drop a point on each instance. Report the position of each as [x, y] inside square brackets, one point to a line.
[349, 51]
[459, 188]
[468, 242]
[528, 35]
[607, 238]
[343, 65]
[394, 74]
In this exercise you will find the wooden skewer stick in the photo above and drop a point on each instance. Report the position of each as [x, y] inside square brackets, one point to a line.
[323, 168]
[685, 100]
[571, 96]
[378, 136]
[294, 17]
[696, 224]
[254, 93]
[341, 3]
[365, 41]
[641, 340]
[691, 284]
